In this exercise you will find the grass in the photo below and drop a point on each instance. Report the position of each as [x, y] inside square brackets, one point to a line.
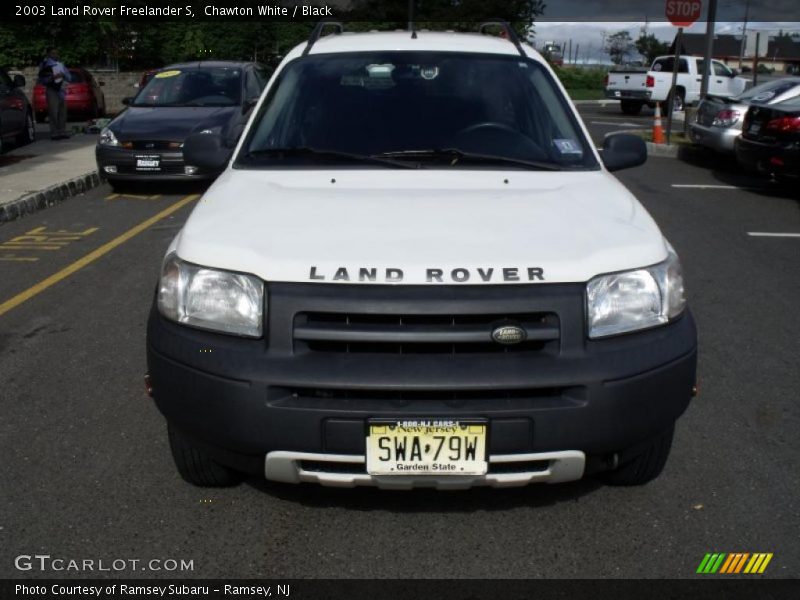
[586, 94]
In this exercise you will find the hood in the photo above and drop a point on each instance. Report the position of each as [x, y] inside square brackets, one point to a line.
[405, 226]
[173, 123]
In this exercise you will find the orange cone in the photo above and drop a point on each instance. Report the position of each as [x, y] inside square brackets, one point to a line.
[658, 131]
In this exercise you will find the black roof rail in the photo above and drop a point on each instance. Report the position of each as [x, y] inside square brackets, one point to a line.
[508, 30]
[317, 32]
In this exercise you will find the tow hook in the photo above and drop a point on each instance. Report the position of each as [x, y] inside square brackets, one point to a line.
[148, 384]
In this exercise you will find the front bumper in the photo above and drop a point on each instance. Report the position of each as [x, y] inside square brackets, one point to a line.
[271, 407]
[171, 165]
[720, 139]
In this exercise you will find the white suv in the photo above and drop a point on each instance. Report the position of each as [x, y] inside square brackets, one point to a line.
[417, 270]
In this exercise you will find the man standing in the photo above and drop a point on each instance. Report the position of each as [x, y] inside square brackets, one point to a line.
[53, 75]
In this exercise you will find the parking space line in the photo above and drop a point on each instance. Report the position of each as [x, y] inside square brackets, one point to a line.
[93, 255]
[618, 124]
[768, 234]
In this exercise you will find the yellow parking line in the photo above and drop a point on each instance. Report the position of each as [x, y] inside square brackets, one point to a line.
[93, 255]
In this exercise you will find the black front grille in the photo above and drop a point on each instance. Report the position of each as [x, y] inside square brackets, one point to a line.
[456, 396]
[146, 145]
[422, 334]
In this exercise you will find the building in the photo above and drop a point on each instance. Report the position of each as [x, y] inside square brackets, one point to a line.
[779, 54]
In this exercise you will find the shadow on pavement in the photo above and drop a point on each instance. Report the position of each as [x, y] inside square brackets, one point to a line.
[178, 188]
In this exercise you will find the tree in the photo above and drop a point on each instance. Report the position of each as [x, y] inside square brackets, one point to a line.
[619, 46]
[650, 47]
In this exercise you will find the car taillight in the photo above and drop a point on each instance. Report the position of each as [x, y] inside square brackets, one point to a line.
[605, 81]
[726, 118]
[784, 124]
[651, 81]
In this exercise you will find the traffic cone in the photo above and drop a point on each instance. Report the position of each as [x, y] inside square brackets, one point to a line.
[658, 131]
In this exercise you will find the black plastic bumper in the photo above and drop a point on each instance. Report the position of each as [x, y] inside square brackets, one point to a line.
[241, 398]
[768, 158]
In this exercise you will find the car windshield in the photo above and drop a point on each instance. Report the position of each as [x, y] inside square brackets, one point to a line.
[218, 86]
[764, 93]
[392, 109]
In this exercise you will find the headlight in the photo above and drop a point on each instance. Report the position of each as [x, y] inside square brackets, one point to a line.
[211, 299]
[633, 300]
[107, 138]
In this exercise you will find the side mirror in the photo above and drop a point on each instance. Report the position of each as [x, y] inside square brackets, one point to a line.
[127, 101]
[623, 151]
[206, 151]
[19, 81]
[734, 72]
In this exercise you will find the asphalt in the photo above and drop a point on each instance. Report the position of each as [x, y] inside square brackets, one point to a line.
[87, 472]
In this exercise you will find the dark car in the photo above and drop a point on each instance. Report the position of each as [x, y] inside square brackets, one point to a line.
[770, 140]
[16, 114]
[145, 141]
[84, 97]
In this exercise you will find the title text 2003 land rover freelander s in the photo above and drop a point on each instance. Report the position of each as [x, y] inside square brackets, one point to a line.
[416, 270]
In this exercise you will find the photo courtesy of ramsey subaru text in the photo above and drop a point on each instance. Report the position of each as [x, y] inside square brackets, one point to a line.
[145, 141]
[416, 270]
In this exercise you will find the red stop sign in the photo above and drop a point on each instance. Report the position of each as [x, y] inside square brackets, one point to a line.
[683, 13]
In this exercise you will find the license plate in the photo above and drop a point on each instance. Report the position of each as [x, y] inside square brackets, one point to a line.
[426, 447]
[617, 93]
[148, 163]
[755, 128]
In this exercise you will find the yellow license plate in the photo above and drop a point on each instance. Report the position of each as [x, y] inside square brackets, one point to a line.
[426, 447]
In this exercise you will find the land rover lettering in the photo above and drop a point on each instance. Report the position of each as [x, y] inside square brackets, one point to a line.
[432, 275]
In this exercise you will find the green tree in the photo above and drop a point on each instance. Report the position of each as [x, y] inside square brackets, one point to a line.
[650, 47]
[619, 46]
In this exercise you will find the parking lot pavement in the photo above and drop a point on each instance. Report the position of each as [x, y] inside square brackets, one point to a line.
[86, 450]
[602, 119]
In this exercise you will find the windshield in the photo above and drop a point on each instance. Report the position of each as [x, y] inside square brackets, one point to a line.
[193, 87]
[440, 109]
[764, 93]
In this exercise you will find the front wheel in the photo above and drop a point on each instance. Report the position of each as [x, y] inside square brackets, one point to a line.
[646, 464]
[28, 134]
[196, 467]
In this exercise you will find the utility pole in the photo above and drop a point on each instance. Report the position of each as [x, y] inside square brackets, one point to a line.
[711, 19]
[744, 33]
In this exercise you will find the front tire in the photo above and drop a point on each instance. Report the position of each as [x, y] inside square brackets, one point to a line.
[196, 467]
[677, 103]
[28, 134]
[646, 464]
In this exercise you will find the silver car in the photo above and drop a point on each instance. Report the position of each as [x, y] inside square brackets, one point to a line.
[719, 120]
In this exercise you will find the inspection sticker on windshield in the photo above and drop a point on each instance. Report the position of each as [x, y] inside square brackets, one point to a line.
[165, 74]
[565, 146]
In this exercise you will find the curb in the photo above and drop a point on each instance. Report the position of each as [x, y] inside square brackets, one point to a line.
[49, 196]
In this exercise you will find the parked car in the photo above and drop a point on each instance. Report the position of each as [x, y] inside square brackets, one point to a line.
[16, 113]
[85, 99]
[770, 140]
[418, 270]
[719, 120]
[634, 88]
[144, 142]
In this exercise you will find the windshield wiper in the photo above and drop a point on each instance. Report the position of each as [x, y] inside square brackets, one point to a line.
[306, 152]
[455, 155]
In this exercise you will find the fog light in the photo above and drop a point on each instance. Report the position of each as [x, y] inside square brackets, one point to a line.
[190, 170]
[110, 169]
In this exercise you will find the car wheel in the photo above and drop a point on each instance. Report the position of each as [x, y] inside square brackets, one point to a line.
[196, 467]
[28, 134]
[631, 107]
[677, 103]
[646, 464]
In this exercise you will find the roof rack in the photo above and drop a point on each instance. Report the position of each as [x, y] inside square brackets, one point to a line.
[508, 30]
[317, 32]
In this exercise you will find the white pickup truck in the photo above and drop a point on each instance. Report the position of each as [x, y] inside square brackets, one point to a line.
[635, 88]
